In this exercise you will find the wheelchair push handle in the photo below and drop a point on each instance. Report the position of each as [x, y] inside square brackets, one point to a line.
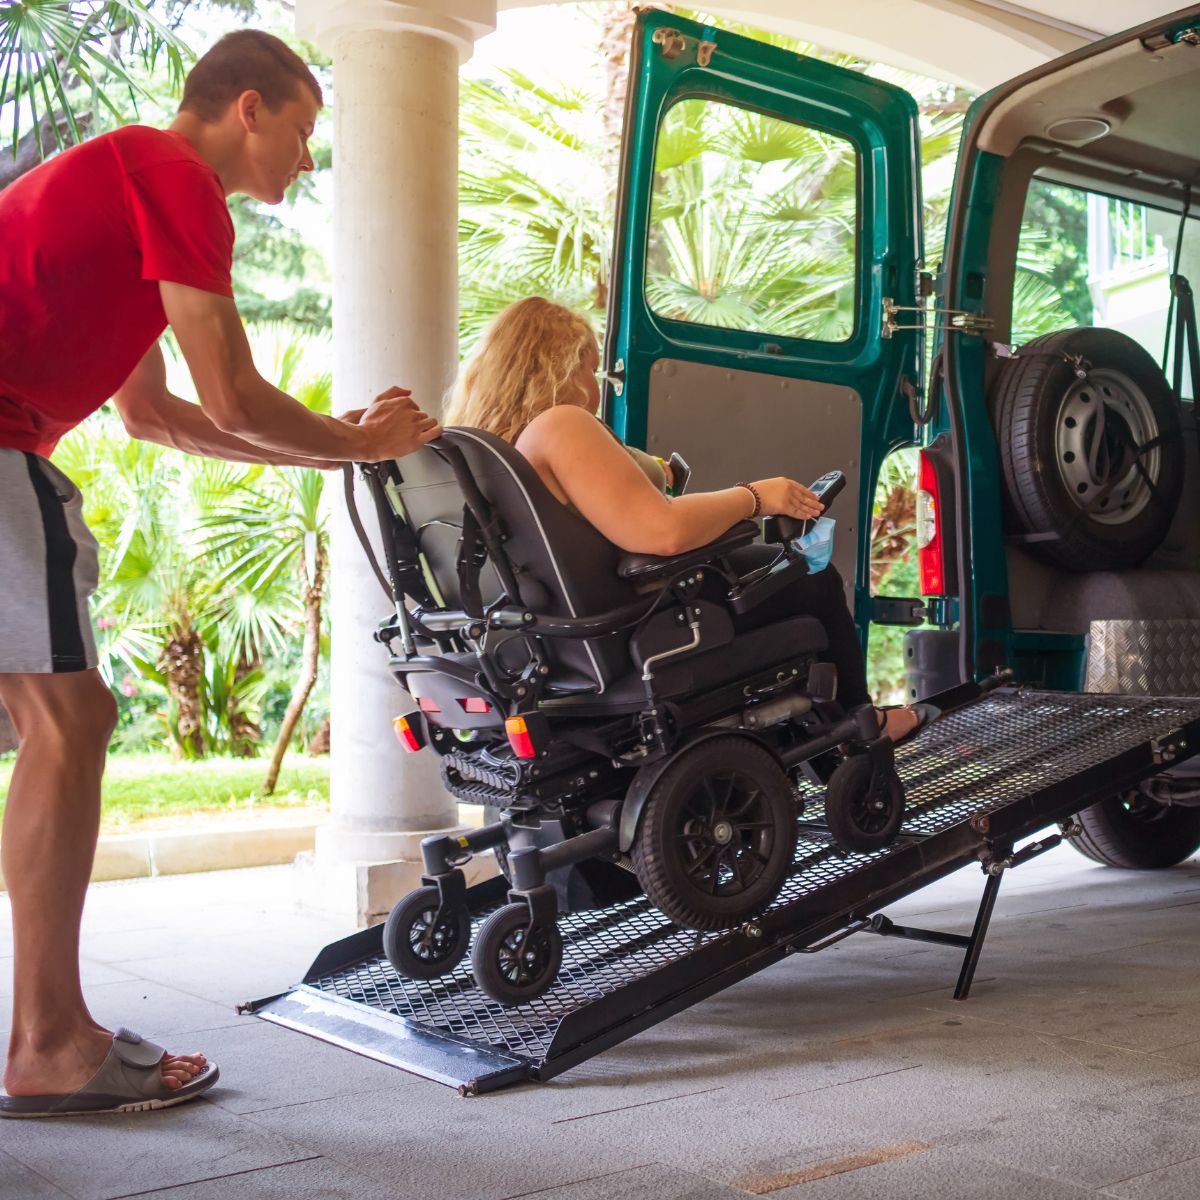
[826, 489]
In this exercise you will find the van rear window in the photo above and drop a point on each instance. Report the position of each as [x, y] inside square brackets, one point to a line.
[1086, 258]
[753, 223]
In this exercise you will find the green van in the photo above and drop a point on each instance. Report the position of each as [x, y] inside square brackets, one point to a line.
[1059, 480]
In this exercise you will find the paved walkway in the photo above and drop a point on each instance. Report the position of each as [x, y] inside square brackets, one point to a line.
[1073, 1071]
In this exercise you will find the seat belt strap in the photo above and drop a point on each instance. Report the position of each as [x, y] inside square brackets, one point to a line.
[471, 556]
[361, 533]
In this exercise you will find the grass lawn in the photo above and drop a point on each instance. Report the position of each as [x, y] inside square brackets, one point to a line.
[139, 788]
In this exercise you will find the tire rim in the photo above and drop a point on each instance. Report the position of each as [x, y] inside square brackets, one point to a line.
[1100, 421]
[523, 956]
[726, 834]
[432, 941]
[873, 809]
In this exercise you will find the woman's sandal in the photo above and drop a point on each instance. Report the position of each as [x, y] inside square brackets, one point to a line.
[925, 713]
[129, 1080]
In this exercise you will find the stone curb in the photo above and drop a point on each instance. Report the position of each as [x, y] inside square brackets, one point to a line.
[214, 848]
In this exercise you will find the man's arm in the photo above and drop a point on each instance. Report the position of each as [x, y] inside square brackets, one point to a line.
[150, 412]
[238, 401]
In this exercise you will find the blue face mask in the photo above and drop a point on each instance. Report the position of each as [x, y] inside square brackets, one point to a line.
[817, 545]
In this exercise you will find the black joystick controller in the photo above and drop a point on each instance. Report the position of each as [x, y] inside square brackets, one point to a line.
[826, 489]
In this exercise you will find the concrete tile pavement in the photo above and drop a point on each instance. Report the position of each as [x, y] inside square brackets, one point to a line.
[1074, 1069]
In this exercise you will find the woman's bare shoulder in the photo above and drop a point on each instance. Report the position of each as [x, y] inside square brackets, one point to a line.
[565, 416]
[563, 422]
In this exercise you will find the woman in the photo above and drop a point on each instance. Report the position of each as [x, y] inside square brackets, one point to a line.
[533, 381]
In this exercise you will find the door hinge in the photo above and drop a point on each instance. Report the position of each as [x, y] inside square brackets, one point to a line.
[671, 40]
[674, 43]
[958, 321]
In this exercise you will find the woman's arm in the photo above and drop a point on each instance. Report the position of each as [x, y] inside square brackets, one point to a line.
[581, 462]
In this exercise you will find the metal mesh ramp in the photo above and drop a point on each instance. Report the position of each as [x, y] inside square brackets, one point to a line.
[1003, 767]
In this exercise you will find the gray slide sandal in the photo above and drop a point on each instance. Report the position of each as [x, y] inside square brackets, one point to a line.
[129, 1080]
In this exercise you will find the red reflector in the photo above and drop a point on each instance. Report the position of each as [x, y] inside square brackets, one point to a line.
[429, 705]
[931, 560]
[475, 704]
[407, 735]
[518, 737]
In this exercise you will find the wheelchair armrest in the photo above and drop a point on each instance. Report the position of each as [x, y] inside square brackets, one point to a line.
[644, 567]
[785, 570]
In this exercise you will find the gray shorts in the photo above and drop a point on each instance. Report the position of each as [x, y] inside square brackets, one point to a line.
[48, 568]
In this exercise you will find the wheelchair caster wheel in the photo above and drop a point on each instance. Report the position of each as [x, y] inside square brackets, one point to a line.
[513, 963]
[421, 944]
[864, 805]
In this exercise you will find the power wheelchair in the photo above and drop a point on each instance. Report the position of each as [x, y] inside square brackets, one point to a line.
[599, 705]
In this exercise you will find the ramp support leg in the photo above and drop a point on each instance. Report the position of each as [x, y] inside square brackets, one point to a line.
[994, 865]
[972, 946]
[983, 918]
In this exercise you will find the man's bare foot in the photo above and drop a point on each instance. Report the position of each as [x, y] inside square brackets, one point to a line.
[71, 1062]
[898, 723]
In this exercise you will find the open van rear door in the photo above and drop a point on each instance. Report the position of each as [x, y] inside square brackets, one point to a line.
[768, 205]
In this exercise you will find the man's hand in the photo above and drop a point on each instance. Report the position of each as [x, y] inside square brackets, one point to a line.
[392, 426]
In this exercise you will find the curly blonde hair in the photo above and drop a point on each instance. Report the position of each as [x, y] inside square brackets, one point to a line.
[521, 367]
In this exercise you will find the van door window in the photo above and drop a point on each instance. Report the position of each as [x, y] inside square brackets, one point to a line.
[753, 224]
[1085, 258]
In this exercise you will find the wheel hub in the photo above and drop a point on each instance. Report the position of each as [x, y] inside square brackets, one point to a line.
[722, 833]
[1101, 422]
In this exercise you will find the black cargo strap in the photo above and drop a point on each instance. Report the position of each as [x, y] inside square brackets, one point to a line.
[1076, 362]
[1184, 304]
[1175, 312]
[361, 533]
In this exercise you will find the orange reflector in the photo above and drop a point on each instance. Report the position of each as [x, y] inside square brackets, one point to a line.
[429, 705]
[518, 737]
[475, 704]
[407, 735]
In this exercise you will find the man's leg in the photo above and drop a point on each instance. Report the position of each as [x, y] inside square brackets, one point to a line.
[52, 818]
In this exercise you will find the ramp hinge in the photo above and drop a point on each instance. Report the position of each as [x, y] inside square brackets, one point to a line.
[959, 321]
[1167, 749]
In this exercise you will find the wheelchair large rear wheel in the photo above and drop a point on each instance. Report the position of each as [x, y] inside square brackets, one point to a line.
[717, 835]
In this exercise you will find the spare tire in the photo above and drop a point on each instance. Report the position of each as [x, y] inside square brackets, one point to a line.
[1091, 447]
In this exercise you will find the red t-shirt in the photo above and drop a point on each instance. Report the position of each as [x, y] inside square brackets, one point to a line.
[84, 240]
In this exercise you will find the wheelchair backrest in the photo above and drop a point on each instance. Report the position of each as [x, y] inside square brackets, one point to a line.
[561, 564]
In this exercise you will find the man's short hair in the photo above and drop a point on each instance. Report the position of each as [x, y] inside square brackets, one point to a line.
[246, 60]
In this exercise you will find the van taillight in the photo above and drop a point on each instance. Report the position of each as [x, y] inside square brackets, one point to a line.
[931, 559]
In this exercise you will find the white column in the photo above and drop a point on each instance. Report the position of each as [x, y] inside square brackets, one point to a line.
[395, 314]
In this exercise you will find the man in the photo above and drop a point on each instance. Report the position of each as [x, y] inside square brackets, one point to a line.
[101, 248]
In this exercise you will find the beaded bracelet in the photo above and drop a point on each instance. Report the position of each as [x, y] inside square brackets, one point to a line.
[757, 498]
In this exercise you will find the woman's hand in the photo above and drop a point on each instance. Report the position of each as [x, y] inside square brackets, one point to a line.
[789, 498]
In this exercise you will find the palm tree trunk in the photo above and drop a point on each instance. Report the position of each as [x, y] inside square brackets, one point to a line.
[320, 740]
[893, 532]
[244, 731]
[309, 662]
[182, 664]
